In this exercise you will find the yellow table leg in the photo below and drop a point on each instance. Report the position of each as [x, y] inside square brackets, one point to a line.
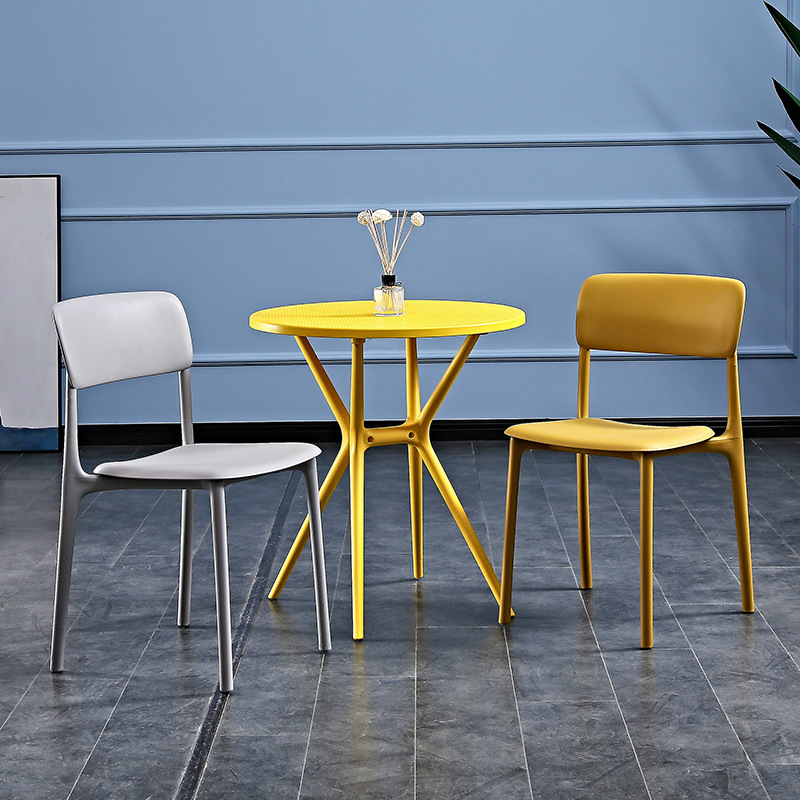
[437, 472]
[414, 457]
[356, 439]
[337, 469]
[460, 516]
[331, 481]
[357, 449]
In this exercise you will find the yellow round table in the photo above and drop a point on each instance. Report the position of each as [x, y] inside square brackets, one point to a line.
[355, 320]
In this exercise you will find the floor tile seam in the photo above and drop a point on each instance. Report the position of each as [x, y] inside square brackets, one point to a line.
[615, 501]
[706, 604]
[757, 612]
[617, 703]
[481, 502]
[192, 776]
[567, 702]
[752, 505]
[777, 638]
[754, 508]
[774, 461]
[11, 461]
[721, 706]
[713, 546]
[311, 727]
[115, 563]
[121, 694]
[416, 697]
[44, 667]
[736, 578]
[556, 523]
[730, 569]
[656, 582]
[594, 636]
[24, 694]
[516, 709]
[455, 627]
[596, 641]
[54, 549]
[343, 556]
[697, 657]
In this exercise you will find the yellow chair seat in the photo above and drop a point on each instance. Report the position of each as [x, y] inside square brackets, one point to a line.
[681, 315]
[590, 434]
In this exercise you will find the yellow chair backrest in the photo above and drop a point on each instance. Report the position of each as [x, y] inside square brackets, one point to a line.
[685, 315]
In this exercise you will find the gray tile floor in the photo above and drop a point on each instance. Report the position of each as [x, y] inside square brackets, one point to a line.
[438, 701]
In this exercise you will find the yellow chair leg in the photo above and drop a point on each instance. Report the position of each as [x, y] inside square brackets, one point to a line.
[515, 451]
[739, 484]
[646, 544]
[584, 530]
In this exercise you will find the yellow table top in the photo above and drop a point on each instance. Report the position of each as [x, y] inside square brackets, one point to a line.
[355, 319]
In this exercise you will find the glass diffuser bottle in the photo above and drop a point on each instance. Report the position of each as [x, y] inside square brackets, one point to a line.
[389, 297]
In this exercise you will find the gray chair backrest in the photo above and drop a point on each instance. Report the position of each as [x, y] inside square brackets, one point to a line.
[112, 337]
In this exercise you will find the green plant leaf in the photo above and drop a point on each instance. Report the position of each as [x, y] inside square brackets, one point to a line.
[788, 28]
[790, 103]
[793, 178]
[791, 149]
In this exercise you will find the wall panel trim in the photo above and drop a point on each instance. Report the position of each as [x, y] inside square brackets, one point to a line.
[648, 139]
[496, 356]
[787, 205]
[659, 206]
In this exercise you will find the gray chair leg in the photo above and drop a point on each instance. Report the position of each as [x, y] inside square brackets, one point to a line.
[309, 470]
[70, 500]
[220, 537]
[185, 564]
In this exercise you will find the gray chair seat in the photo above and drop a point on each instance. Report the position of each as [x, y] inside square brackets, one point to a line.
[212, 462]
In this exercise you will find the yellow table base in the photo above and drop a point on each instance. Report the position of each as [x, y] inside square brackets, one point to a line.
[357, 439]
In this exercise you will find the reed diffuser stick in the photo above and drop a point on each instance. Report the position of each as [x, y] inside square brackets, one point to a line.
[375, 223]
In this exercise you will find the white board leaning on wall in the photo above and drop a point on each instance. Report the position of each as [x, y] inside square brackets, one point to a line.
[29, 279]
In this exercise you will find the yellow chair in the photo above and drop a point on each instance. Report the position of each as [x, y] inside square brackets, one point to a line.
[684, 315]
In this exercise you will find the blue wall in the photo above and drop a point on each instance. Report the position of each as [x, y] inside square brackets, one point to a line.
[221, 151]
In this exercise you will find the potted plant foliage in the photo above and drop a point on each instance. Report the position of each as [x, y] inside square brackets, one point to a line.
[790, 102]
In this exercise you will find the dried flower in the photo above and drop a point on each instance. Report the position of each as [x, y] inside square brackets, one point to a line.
[375, 222]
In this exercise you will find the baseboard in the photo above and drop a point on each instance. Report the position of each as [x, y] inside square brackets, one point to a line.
[324, 431]
[28, 439]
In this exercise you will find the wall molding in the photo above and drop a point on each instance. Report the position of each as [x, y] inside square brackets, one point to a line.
[207, 213]
[303, 144]
[332, 358]
[787, 205]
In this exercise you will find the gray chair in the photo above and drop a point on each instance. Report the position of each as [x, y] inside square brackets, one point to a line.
[113, 337]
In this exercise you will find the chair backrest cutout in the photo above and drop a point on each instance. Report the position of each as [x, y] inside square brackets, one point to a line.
[112, 337]
[685, 315]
